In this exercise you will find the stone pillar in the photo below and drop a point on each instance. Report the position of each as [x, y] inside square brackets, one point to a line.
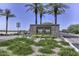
[55, 30]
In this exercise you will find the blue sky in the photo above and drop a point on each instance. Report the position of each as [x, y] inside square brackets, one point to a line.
[71, 16]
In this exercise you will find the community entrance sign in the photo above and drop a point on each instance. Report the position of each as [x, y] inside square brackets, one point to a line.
[45, 29]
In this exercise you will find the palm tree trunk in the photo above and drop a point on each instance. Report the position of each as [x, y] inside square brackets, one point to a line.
[40, 18]
[6, 24]
[36, 13]
[36, 18]
[55, 15]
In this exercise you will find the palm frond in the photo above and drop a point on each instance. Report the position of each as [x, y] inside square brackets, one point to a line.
[29, 5]
[61, 8]
[64, 6]
[41, 9]
[7, 12]
[12, 15]
[2, 14]
[29, 9]
[1, 10]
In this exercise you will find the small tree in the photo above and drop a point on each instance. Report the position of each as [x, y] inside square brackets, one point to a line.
[18, 25]
[73, 28]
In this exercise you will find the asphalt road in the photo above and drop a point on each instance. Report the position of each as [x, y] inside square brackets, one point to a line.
[73, 38]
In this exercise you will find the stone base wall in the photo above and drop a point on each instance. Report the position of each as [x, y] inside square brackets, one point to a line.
[53, 28]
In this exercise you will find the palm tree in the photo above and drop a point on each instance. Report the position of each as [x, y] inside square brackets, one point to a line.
[56, 9]
[41, 10]
[33, 7]
[18, 25]
[1, 11]
[7, 14]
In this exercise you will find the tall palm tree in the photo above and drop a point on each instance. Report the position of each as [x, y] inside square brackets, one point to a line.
[56, 9]
[41, 10]
[7, 14]
[33, 7]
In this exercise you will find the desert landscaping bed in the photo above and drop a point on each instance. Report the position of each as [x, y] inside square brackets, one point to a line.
[37, 45]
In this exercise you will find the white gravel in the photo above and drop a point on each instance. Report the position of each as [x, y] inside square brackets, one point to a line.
[38, 39]
[35, 49]
[58, 39]
[3, 38]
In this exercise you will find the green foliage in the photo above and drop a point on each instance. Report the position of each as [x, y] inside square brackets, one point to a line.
[65, 30]
[50, 43]
[21, 49]
[46, 50]
[43, 36]
[74, 29]
[64, 43]
[16, 40]
[5, 43]
[19, 46]
[36, 36]
[3, 53]
[67, 52]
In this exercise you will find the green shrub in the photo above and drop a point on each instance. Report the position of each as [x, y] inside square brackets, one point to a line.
[17, 40]
[19, 46]
[46, 36]
[36, 36]
[20, 49]
[73, 29]
[43, 36]
[64, 43]
[3, 53]
[67, 52]
[5, 43]
[50, 43]
[46, 50]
